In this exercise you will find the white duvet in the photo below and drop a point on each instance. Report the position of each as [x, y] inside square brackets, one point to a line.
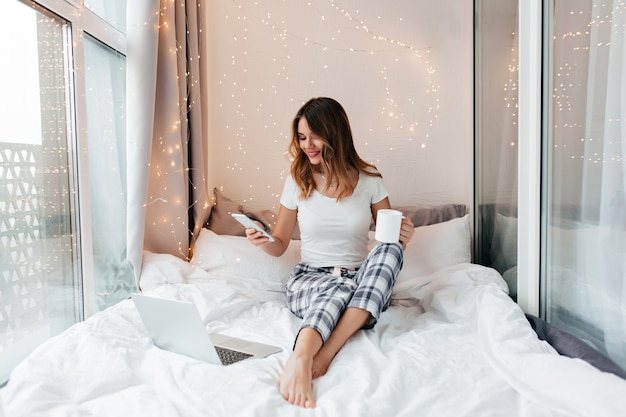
[453, 344]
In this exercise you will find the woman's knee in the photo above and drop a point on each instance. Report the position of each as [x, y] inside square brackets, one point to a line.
[388, 250]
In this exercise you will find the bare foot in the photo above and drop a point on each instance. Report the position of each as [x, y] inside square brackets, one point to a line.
[321, 362]
[296, 382]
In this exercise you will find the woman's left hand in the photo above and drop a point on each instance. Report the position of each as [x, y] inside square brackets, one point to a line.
[406, 231]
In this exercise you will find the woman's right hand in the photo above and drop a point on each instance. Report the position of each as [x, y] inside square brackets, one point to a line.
[281, 232]
[256, 237]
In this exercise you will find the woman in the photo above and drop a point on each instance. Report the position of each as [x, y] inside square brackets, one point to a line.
[338, 288]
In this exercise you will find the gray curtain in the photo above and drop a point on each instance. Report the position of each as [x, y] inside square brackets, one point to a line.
[167, 156]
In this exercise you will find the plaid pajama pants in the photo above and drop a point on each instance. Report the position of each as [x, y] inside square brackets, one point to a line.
[319, 295]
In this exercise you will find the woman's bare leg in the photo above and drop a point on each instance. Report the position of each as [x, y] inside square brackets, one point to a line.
[296, 382]
[351, 320]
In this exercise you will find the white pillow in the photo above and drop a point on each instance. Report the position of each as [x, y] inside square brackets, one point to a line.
[236, 257]
[434, 247]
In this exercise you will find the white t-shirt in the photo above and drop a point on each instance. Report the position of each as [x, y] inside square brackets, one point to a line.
[335, 233]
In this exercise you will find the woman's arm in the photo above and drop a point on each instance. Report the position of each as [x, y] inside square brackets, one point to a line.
[285, 225]
[382, 204]
[406, 229]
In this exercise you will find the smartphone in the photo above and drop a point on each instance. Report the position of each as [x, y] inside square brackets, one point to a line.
[249, 224]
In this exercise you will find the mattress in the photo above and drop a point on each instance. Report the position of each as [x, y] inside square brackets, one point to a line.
[452, 343]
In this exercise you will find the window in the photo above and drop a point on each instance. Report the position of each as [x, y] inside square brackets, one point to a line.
[112, 11]
[62, 170]
[496, 152]
[584, 271]
[583, 173]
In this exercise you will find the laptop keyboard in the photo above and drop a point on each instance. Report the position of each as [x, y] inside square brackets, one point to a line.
[228, 356]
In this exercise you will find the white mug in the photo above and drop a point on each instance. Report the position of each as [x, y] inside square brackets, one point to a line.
[388, 223]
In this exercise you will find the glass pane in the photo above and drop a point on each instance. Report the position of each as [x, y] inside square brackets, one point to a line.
[106, 124]
[585, 256]
[112, 11]
[40, 290]
[496, 137]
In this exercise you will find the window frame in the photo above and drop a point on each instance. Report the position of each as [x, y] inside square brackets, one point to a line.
[529, 156]
[81, 21]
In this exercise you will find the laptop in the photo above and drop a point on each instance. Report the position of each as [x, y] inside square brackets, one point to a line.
[176, 326]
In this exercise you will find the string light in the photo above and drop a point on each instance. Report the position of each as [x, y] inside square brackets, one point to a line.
[249, 82]
[585, 29]
[295, 61]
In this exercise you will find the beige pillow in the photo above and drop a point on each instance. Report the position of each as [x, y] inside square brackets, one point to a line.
[221, 222]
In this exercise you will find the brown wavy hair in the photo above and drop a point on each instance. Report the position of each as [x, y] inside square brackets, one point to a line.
[329, 122]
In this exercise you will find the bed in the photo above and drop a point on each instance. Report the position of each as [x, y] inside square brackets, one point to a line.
[452, 343]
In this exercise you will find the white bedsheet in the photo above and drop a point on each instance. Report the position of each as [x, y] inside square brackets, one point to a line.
[454, 344]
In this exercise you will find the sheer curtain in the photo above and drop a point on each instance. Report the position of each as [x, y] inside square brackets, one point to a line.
[167, 156]
[105, 81]
[604, 175]
[586, 234]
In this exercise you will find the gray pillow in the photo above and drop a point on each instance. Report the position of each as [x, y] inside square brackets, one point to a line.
[427, 215]
[571, 346]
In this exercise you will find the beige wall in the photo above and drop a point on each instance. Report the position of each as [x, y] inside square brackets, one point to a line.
[401, 69]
